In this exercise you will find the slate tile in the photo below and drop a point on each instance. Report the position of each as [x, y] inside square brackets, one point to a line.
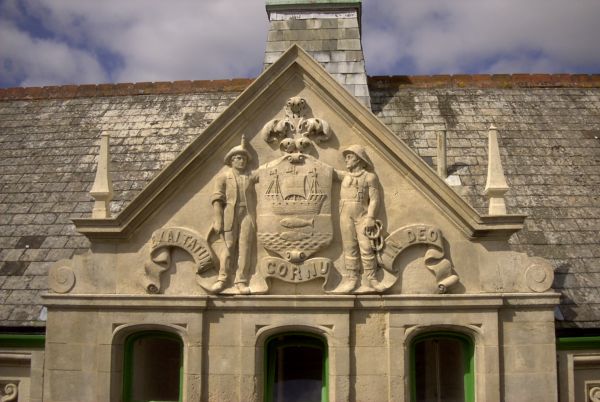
[39, 268]
[30, 242]
[11, 268]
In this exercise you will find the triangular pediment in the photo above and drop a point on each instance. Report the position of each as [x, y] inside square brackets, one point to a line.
[309, 211]
[297, 67]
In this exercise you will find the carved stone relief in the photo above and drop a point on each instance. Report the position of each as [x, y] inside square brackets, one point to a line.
[233, 228]
[295, 131]
[359, 204]
[294, 217]
[539, 275]
[593, 391]
[294, 193]
[61, 277]
[294, 220]
[162, 243]
[10, 391]
[435, 256]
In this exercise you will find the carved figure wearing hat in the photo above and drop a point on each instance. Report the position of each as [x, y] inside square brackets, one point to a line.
[359, 202]
[232, 221]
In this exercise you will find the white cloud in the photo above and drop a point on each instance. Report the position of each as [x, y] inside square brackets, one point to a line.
[157, 40]
[463, 35]
[37, 62]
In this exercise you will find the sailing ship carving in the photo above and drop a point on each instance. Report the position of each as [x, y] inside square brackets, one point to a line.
[295, 194]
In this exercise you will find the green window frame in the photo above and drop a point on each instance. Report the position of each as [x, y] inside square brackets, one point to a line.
[578, 343]
[294, 339]
[128, 364]
[22, 340]
[468, 356]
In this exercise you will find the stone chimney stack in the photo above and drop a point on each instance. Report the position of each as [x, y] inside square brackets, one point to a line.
[329, 30]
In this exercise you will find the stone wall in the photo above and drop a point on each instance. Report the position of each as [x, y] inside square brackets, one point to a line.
[368, 343]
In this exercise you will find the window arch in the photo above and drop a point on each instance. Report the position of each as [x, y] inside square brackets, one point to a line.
[152, 367]
[296, 368]
[442, 367]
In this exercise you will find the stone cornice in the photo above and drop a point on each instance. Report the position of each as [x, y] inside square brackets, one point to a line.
[489, 301]
[492, 81]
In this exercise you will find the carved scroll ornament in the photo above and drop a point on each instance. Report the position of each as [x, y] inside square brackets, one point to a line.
[161, 246]
[594, 394]
[539, 275]
[435, 257]
[61, 277]
[11, 392]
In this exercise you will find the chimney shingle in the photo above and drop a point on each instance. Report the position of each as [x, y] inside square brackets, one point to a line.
[329, 30]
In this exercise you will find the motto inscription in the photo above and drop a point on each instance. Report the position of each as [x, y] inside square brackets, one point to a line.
[162, 243]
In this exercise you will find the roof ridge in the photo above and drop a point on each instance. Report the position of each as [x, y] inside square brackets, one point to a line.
[121, 89]
[239, 84]
[490, 80]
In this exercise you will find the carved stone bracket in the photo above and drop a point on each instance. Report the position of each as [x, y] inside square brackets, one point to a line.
[593, 390]
[435, 259]
[10, 391]
[296, 131]
[161, 245]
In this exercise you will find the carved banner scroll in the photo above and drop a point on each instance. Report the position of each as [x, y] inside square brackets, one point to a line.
[161, 245]
[435, 259]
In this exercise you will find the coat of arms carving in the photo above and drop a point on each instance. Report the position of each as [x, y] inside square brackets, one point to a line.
[294, 198]
[294, 211]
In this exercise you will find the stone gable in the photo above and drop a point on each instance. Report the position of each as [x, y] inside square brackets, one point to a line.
[410, 106]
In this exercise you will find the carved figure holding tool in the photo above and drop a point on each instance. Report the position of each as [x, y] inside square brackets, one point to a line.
[232, 222]
[359, 202]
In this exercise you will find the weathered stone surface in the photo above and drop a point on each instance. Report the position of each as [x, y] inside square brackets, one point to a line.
[550, 150]
[48, 160]
[550, 156]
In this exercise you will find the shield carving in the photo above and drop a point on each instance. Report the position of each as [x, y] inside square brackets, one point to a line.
[294, 206]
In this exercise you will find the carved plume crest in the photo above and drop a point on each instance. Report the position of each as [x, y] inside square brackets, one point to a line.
[296, 131]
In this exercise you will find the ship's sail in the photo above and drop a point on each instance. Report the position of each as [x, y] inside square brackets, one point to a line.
[293, 195]
[293, 187]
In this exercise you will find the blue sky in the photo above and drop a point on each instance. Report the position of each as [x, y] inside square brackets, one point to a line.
[56, 42]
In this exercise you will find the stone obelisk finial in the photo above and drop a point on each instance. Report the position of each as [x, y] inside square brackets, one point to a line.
[495, 186]
[102, 190]
[442, 167]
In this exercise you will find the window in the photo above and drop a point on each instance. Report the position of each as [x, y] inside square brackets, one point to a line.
[152, 367]
[296, 369]
[442, 368]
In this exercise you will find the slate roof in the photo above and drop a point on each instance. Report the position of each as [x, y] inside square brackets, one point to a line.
[549, 129]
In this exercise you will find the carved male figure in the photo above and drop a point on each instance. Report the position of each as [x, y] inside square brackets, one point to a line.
[232, 222]
[359, 202]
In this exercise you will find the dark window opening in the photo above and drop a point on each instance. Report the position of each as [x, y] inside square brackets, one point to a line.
[152, 370]
[296, 369]
[442, 368]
